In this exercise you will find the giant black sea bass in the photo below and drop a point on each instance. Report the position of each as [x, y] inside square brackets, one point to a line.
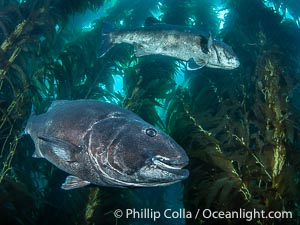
[106, 145]
[184, 43]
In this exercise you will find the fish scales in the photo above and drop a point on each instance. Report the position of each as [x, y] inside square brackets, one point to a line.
[162, 42]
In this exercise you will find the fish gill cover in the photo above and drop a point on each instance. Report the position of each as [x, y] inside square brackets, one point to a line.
[240, 128]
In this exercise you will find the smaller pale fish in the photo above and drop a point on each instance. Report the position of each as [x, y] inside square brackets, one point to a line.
[183, 43]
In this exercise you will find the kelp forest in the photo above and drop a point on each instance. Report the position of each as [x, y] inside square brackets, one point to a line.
[240, 128]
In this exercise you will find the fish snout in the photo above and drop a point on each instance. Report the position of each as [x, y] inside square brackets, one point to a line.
[235, 63]
[179, 156]
[231, 66]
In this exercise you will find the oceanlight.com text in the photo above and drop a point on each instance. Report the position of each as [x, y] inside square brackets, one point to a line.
[203, 214]
[248, 215]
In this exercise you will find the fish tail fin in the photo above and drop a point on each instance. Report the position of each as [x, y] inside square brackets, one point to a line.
[105, 44]
[24, 131]
[107, 28]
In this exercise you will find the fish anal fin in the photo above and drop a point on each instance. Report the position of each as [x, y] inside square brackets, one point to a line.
[73, 182]
[63, 149]
[195, 65]
[37, 154]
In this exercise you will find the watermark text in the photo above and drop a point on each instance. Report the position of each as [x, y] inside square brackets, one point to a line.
[182, 213]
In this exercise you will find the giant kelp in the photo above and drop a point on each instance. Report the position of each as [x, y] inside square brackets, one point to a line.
[239, 127]
[285, 7]
[131, 14]
[192, 13]
[28, 31]
[242, 146]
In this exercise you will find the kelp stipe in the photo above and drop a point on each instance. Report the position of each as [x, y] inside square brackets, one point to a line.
[27, 32]
[242, 148]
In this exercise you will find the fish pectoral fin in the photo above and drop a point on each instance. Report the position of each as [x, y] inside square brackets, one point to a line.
[73, 182]
[63, 149]
[138, 50]
[192, 65]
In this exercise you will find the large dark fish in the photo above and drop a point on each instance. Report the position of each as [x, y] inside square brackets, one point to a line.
[107, 145]
[183, 43]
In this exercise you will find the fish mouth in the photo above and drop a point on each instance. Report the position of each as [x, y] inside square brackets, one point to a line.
[159, 171]
[171, 166]
[224, 66]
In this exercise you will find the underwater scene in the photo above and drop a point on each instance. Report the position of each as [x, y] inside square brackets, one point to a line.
[148, 112]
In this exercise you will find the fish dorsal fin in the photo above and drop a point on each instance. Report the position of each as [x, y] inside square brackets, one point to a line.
[63, 149]
[57, 103]
[151, 21]
[73, 182]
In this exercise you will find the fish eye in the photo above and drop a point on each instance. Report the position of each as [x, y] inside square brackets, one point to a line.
[151, 132]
